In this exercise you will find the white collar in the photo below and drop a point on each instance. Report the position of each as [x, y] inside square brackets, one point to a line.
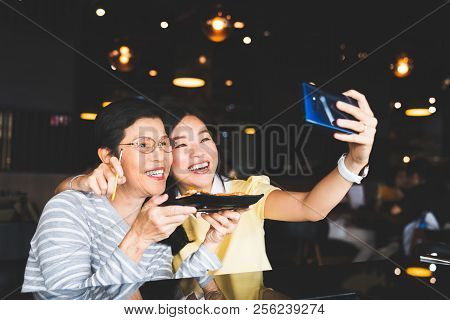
[217, 186]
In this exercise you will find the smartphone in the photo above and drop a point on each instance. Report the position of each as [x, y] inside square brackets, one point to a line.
[320, 108]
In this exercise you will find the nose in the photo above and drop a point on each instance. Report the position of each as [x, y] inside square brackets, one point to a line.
[157, 154]
[195, 151]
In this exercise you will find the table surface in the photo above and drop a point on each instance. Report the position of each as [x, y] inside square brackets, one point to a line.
[365, 280]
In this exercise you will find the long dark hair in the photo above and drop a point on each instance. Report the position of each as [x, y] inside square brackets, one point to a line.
[110, 126]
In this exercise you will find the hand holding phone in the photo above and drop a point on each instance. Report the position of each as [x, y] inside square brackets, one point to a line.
[320, 108]
[350, 115]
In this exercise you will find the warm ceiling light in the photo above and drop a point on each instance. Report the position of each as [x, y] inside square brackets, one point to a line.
[164, 24]
[106, 103]
[218, 23]
[432, 109]
[153, 73]
[397, 271]
[88, 116]
[418, 272]
[397, 105]
[418, 112]
[250, 130]
[402, 67]
[406, 159]
[217, 28]
[202, 59]
[247, 40]
[433, 280]
[228, 83]
[432, 100]
[100, 12]
[239, 25]
[124, 59]
[124, 50]
[188, 82]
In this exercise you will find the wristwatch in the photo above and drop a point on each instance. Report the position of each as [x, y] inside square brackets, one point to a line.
[350, 176]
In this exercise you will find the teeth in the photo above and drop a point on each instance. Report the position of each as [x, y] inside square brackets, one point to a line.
[155, 173]
[199, 166]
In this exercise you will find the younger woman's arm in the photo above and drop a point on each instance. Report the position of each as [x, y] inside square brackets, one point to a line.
[317, 203]
[100, 181]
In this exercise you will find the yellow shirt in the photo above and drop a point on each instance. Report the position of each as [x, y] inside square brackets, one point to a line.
[242, 251]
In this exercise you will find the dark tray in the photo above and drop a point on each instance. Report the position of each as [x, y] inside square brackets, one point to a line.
[209, 203]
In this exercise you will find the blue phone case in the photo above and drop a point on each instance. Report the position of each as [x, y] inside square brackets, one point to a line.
[320, 108]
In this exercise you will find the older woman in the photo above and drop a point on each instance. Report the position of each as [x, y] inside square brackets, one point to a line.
[84, 240]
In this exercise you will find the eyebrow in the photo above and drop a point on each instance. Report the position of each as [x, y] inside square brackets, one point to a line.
[163, 136]
[184, 137]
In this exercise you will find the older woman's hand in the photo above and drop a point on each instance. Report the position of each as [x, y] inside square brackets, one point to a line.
[360, 144]
[222, 223]
[155, 223]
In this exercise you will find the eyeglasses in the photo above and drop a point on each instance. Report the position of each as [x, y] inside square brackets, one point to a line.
[148, 145]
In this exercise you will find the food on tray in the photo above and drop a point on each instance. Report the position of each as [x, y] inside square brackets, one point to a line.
[193, 191]
[231, 194]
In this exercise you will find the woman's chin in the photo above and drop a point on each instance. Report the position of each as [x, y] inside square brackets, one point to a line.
[201, 182]
[156, 189]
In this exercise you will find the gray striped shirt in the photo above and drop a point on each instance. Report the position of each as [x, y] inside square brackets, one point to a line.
[76, 246]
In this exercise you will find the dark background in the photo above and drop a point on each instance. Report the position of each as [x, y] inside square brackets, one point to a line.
[41, 77]
[54, 66]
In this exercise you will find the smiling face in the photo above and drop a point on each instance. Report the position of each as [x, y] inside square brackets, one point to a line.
[195, 156]
[146, 173]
